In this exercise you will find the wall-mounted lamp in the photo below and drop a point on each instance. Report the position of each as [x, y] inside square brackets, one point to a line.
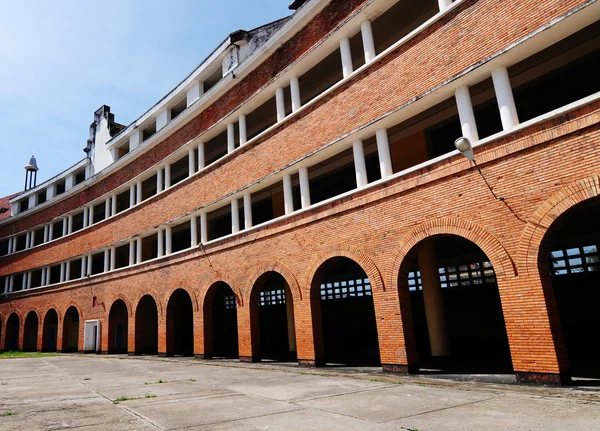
[463, 145]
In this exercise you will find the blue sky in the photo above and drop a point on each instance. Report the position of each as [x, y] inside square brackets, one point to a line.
[61, 60]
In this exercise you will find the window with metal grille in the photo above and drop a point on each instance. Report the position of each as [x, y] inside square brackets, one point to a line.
[575, 260]
[346, 289]
[272, 297]
[229, 302]
[472, 274]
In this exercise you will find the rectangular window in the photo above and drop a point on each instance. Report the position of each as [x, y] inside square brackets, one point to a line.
[4, 247]
[79, 177]
[180, 170]
[216, 148]
[149, 187]
[21, 242]
[38, 236]
[122, 256]
[41, 197]
[98, 263]
[181, 237]
[57, 229]
[99, 212]
[75, 269]
[150, 247]
[123, 201]
[346, 289]
[54, 274]
[60, 187]
[219, 222]
[77, 222]
[267, 204]
[321, 77]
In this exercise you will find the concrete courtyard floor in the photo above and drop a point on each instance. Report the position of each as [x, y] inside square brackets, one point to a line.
[77, 391]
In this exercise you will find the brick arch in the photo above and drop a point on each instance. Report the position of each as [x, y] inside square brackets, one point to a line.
[541, 220]
[35, 310]
[154, 295]
[183, 285]
[208, 282]
[493, 249]
[355, 254]
[56, 310]
[72, 304]
[125, 300]
[282, 270]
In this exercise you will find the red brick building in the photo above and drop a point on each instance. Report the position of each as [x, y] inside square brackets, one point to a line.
[299, 198]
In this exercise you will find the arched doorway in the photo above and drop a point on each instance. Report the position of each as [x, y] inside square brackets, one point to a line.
[569, 259]
[344, 314]
[455, 306]
[220, 322]
[12, 333]
[30, 332]
[50, 331]
[70, 342]
[272, 318]
[146, 326]
[117, 327]
[180, 324]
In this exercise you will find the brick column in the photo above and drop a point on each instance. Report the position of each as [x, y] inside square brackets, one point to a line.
[309, 341]
[162, 334]
[40, 334]
[131, 333]
[247, 349]
[199, 350]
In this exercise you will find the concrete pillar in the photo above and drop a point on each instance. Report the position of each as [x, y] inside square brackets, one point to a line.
[160, 238]
[159, 180]
[194, 230]
[132, 195]
[67, 270]
[201, 159]
[113, 258]
[138, 190]
[295, 90]
[203, 228]
[235, 216]
[280, 102]
[7, 284]
[167, 176]
[83, 266]
[432, 297]
[28, 239]
[85, 219]
[107, 207]
[288, 196]
[11, 285]
[195, 92]
[505, 98]
[65, 227]
[163, 118]
[304, 187]
[50, 235]
[346, 53]
[168, 240]
[444, 4]
[191, 161]
[465, 113]
[32, 239]
[247, 210]
[62, 272]
[113, 205]
[383, 149]
[28, 277]
[106, 260]
[46, 234]
[230, 137]
[131, 252]
[70, 224]
[360, 166]
[242, 127]
[138, 251]
[368, 41]
[24, 283]
[89, 264]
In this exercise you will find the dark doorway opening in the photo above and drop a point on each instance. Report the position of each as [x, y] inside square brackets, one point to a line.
[220, 322]
[30, 332]
[180, 324]
[71, 331]
[117, 327]
[50, 332]
[12, 333]
[146, 327]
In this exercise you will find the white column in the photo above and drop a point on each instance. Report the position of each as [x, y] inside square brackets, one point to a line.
[194, 230]
[83, 266]
[107, 207]
[288, 196]
[160, 240]
[230, 137]
[113, 258]
[138, 191]
[11, 244]
[163, 118]
[383, 149]
[368, 42]
[444, 4]
[465, 114]
[505, 98]
[67, 270]
[304, 187]
[89, 264]
[65, 226]
[132, 253]
[168, 240]
[195, 92]
[295, 90]
[25, 283]
[242, 126]
[203, 228]
[11, 284]
[28, 277]
[85, 220]
[62, 272]
[50, 234]
[138, 252]
[159, 180]
[201, 160]
[346, 53]
[32, 240]
[28, 239]
[247, 210]
[280, 102]
[113, 201]
[7, 284]
[167, 176]
[191, 161]
[106, 260]
[360, 167]
[70, 224]
[235, 216]
[132, 195]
